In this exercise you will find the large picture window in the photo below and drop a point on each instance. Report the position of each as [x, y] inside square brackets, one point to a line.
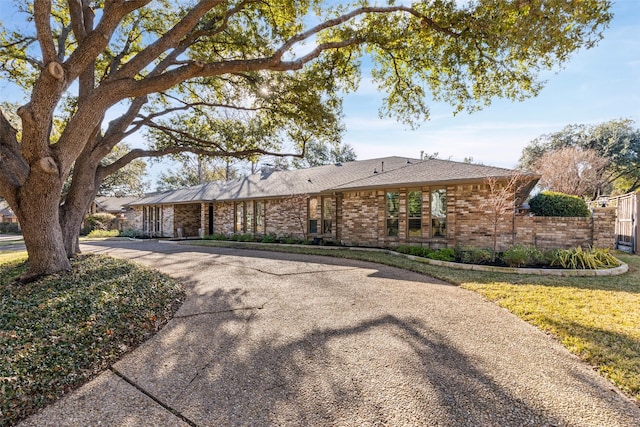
[393, 211]
[439, 213]
[414, 204]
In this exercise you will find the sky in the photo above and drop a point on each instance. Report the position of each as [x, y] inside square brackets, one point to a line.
[596, 85]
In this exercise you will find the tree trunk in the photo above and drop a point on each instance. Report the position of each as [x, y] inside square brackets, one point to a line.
[38, 213]
[84, 186]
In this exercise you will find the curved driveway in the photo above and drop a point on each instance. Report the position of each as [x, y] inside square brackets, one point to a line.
[277, 339]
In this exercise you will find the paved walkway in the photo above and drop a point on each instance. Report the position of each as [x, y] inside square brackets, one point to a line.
[273, 339]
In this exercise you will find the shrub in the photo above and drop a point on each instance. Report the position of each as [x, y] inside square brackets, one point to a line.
[442, 254]
[104, 233]
[270, 238]
[578, 258]
[9, 228]
[130, 232]
[519, 256]
[549, 203]
[403, 249]
[245, 238]
[99, 221]
[416, 250]
[476, 256]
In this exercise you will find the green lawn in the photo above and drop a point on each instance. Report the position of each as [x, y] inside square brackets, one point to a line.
[597, 318]
[60, 331]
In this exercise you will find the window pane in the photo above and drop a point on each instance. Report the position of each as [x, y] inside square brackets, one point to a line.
[327, 215]
[249, 217]
[313, 208]
[393, 204]
[392, 227]
[327, 207]
[415, 204]
[415, 227]
[239, 217]
[439, 203]
[313, 226]
[439, 213]
[259, 217]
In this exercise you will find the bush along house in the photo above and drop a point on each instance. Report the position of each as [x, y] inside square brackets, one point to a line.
[382, 202]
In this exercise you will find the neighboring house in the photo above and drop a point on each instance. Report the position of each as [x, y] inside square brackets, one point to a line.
[7, 214]
[118, 206]
[382, 202]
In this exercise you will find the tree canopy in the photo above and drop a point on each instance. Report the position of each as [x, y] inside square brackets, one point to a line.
[265, 75]
[615, 167]
[319, 153]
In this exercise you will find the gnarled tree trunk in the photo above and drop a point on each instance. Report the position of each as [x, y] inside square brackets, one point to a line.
[37, 211]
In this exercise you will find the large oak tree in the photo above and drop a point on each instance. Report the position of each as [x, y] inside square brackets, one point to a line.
[268, 74]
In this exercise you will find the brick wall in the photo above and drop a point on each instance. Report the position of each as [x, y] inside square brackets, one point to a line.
[604, 224]
[188, 218]
[471, 218]
[223, 219]
[167, 221]
[359, 223]
[287, 216]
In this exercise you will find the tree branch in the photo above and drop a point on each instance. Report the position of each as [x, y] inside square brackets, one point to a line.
[13, 168]
[137, 153]
[41, 15]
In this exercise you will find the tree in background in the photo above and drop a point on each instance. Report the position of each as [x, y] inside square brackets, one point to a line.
[194, 170]
[318, 153]
[283, 63]
[127, 181]
[571, 170]
[617, 142]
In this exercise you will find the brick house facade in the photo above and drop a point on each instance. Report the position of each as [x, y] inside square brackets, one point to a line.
[375, 203]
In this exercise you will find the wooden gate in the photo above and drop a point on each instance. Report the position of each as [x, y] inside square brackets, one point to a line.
[627, 209]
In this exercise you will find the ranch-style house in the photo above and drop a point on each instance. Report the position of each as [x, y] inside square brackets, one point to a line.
[382, 202]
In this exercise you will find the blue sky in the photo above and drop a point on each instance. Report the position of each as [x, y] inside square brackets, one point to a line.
[597, 85]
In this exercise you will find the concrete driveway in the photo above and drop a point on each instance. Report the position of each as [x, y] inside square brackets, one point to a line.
[276, 339]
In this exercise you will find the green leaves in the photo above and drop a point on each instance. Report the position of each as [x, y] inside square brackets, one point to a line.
[60, 331]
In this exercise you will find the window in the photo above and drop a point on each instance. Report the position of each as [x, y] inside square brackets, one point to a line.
[393, 209]
[259, 217]
[248, 217]
[145, 220]
[158, 226]
[239, 213]
[327, 215]
[313, 215]
[414, 203]
[439, 213]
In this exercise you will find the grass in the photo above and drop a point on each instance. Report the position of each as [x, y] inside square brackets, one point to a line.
[62, 330]
[596, 318]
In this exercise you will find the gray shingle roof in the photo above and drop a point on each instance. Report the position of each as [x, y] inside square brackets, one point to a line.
[430, 171]
[382, 172]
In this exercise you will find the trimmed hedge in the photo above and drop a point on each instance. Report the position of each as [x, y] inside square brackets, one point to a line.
[550, 203]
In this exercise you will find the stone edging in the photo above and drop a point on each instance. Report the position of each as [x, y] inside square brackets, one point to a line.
[616, 271]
